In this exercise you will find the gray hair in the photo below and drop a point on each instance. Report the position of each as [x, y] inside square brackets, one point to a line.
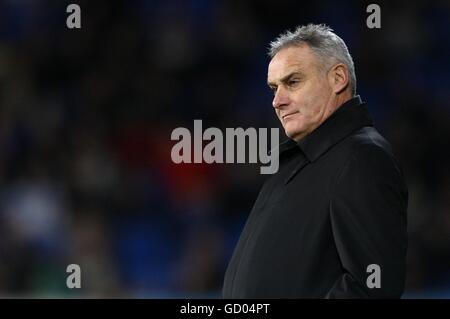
[329, 47]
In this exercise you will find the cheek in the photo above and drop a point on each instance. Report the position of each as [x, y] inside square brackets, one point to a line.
[309, 102]
[305, 105]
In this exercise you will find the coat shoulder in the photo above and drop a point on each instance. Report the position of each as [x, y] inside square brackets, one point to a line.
[368, 139]
[368, 150]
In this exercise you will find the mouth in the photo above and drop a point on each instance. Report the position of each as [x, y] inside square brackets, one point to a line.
[288, 115]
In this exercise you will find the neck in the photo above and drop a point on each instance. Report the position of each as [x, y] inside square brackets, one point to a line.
[342, 98]
[335, 104]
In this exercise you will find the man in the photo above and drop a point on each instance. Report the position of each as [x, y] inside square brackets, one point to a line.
[331, 223]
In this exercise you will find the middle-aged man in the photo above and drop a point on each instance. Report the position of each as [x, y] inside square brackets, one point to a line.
[331, 223]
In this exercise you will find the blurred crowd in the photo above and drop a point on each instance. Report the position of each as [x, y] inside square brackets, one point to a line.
[86, 116]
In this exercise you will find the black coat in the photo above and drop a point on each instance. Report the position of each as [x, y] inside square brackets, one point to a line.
[337, 204]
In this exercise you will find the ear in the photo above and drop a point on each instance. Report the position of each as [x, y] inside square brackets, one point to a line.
[338, 78]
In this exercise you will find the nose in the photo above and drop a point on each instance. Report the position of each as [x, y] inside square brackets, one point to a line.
[281, 98]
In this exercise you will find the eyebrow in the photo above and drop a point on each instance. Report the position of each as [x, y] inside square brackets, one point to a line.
[286, 77]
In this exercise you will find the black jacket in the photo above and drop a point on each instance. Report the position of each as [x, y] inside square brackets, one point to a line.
[337, 204]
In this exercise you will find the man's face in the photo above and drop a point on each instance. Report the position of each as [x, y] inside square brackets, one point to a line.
[302, 94]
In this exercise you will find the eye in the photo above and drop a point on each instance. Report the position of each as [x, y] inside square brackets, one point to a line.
[273, 89]
[293, 82]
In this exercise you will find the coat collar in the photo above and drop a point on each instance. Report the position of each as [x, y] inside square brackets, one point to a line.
[351, 116]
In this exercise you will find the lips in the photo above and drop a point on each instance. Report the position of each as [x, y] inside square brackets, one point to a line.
[284, 116]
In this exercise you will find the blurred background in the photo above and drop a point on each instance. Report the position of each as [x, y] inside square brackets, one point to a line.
[86, 117]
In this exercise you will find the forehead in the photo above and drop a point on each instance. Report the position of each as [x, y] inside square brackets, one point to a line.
[291, 59]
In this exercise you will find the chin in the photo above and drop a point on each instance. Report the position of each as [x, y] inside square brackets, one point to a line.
[292, 132]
